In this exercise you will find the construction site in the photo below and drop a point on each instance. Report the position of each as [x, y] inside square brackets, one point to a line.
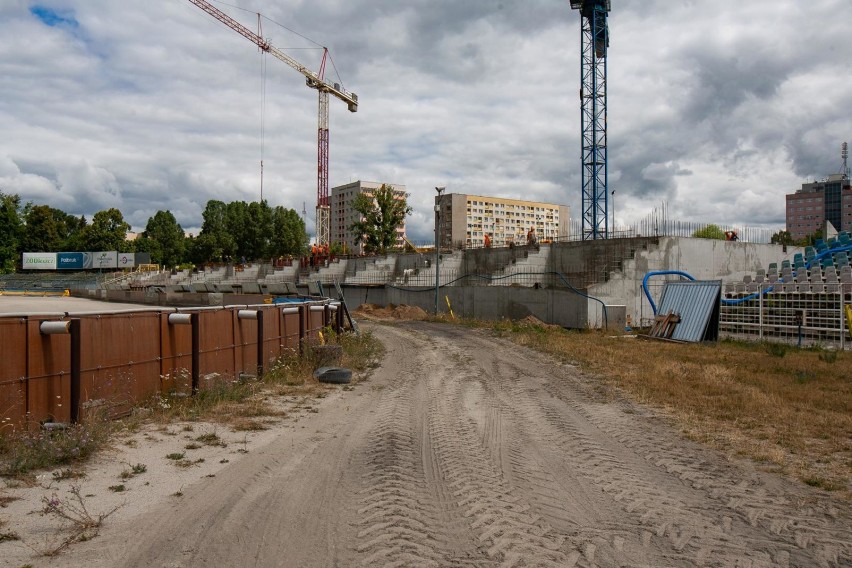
[448, 445]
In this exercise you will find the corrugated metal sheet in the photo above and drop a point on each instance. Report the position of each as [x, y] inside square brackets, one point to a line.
[697, 303]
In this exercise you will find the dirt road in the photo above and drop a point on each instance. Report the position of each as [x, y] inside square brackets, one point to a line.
[464, 450]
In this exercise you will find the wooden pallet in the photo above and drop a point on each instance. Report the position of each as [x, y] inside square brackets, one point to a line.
[664, 325]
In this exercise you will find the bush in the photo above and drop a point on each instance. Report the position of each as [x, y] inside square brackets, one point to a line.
[775, 349]
[28, 451]
[710, 232]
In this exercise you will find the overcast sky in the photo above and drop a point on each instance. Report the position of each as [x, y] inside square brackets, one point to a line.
[719, 108]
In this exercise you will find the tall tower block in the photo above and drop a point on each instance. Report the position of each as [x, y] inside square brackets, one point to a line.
[594, 43]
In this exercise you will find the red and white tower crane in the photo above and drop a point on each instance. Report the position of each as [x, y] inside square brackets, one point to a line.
[314, 80]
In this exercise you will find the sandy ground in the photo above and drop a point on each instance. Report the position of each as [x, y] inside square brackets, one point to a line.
[14, 304]
[460, 450]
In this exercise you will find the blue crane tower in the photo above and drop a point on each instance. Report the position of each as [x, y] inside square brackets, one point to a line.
[594, 41]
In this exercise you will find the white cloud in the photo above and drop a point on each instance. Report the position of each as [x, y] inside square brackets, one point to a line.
[719, 108]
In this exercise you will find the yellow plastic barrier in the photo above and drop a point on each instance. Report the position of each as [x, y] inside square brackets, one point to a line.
[449, 307]
[849, 317]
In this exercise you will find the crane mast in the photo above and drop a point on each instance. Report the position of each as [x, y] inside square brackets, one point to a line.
[314, 80]
[594, 42]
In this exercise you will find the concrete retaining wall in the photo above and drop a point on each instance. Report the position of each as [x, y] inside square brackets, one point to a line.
[559, 307]
[704, 259]
[610, 271]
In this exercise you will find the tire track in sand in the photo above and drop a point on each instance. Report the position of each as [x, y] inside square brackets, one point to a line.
[688, 519]
[509, 532]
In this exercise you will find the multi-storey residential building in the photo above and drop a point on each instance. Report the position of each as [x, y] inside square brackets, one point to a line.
[817, 202]
[466, 219]
[343, 214]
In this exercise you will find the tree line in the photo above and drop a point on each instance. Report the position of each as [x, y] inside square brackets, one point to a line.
[229, 231]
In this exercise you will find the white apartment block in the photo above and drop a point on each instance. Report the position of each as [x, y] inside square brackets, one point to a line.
[466, 219]
[343, 215]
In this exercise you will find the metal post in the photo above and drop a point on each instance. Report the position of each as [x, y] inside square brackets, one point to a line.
[842, 317]
[326, 316]
[612, 194]
[260, 355]
[195, 372]
[440, 191]
[74, 329]
[303, 311]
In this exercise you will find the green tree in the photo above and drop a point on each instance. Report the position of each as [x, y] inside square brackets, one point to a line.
[11, 227]
[237, 221]
[810, 240]
[164, 239]
[108, 231]
[40, 231]
[72, 240]
[710, 232]
[47, 229]
[782, 238]
[258, 233]
[214, 242]
[44, 229]
[288, 233]
[381, 214]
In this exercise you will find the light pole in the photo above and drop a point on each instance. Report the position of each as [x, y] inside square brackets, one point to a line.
[440, 191]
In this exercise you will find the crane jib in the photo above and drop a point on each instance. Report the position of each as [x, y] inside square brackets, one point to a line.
[313, 80]
[316, 81]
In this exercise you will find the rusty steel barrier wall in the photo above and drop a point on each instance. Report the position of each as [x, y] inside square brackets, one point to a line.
[63, 367]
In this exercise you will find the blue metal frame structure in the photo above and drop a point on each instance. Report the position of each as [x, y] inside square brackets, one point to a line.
[594, 43]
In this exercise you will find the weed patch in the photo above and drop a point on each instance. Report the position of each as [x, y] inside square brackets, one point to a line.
[211, 439]
[25, 452]
[75, 516]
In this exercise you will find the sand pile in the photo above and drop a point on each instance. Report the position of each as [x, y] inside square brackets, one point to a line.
[391, 311]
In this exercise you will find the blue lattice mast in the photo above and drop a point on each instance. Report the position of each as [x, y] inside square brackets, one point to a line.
[594, 42]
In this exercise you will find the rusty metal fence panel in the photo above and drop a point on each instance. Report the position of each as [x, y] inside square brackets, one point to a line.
[245, 343]
[119, 360]
[291, 330]
[316, 320]
[273, 346]
[216, 346]
[13, 372]
[123, 358]
[176, 356]
[48, 361]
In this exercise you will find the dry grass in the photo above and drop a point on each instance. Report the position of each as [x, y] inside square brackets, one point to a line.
[246, 405]
[788, 408]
